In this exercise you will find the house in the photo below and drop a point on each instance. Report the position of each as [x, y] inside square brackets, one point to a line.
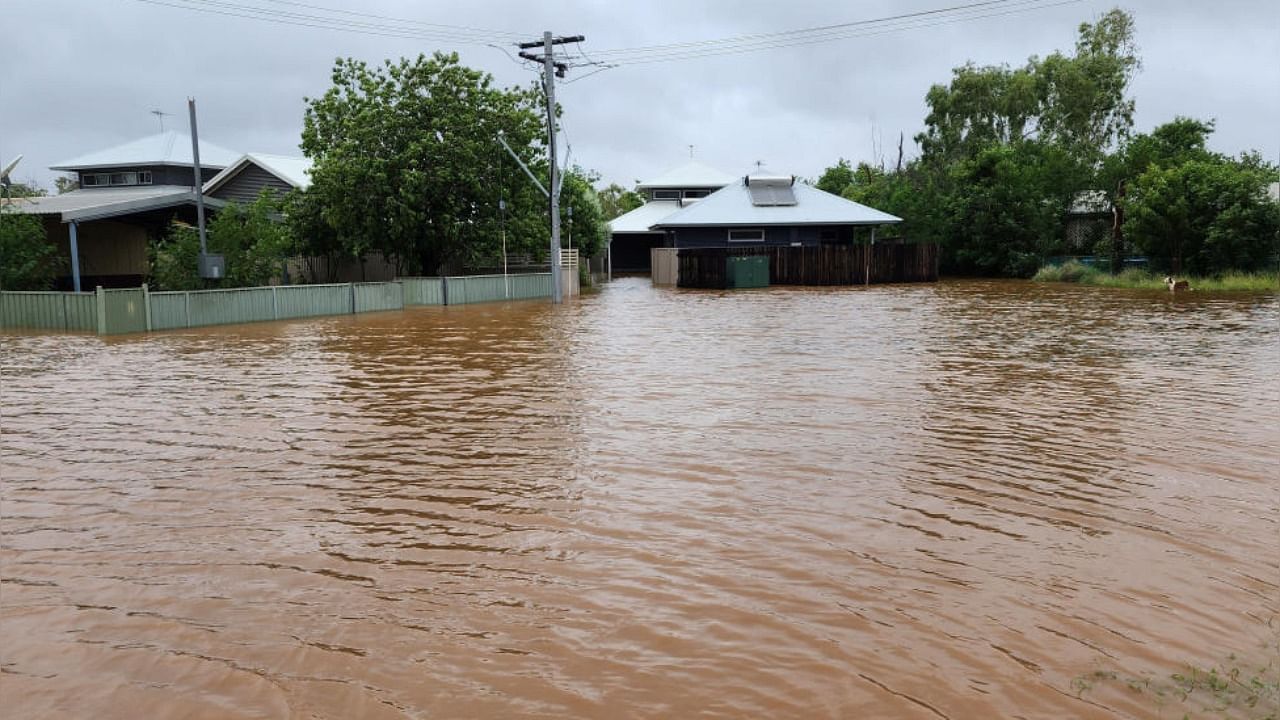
[765, 209]
[245, 179]
[1090, 218]
[632, 235]
[127, 194]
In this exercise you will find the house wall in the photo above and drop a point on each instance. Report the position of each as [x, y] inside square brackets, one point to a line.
[112, 253]
[774, 235]
[247, 184]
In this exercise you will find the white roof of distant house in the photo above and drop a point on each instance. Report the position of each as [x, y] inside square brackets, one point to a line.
[169, 148]
[692, 174]
[289, 168]
[643, 217]
[102, 203]
[1090, 202]
[732, 205]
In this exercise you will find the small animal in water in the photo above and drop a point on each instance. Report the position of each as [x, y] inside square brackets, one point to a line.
[1176, 285]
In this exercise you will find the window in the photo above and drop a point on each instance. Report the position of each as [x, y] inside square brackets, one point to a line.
[144, 177]
[666, 194]
[756, 235]
[88, 180]
[124, 178]
[695, 194]
[141, 177]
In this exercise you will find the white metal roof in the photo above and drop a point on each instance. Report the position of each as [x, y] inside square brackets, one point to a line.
[169, 148]
[692, 174]
[102, 203]
[291, 169]
[643, 217]
[732, 205]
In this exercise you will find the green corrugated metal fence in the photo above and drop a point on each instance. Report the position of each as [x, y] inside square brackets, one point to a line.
[297, 301]
[49, 310]
[369, 297]
[122, 311]
[423, 290]
[138, 310]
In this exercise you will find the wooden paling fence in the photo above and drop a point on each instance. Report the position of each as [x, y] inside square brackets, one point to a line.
[816, 264]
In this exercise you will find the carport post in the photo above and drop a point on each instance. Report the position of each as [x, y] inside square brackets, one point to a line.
[75, 256]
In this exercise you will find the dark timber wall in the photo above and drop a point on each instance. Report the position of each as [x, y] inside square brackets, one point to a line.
[817, 264]
[246, 185]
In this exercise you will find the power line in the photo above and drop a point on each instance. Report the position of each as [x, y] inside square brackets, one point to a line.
[1006, 8]
[794, 33]
[458, 34]
[411, 21]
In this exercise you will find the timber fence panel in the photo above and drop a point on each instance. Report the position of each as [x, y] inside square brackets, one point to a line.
[168, 310]
[466, 289]
[231, 306]
[371, 297]
[422, 290]
[298, 301]
[48, 310]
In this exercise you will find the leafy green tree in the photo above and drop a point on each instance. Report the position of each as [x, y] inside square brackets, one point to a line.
[66, 183]
[616, 200]
[1205, 215]
[407, 161]
[252, 238]
[590, 232]
[1078, 101]
[23, 190]
[28, 261]
[837, 178]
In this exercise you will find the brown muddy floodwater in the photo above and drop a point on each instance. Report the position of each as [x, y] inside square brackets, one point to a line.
[963, 500]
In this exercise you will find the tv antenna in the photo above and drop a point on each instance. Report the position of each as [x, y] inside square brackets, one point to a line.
[160, 115]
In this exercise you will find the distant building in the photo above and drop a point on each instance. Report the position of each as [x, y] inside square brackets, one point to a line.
[246, 178]
[633, 235]
[1089, 220]
[130, 193]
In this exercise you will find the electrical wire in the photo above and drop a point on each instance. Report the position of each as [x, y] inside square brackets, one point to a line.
[230, 9]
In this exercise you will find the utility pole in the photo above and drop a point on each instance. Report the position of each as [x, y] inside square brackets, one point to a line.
[195, 168]
[550, 71]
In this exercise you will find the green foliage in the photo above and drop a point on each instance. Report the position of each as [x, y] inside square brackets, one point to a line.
[66, 183]
[590, 232]
[407, 163]
[1205, 215]
[616, 200]
[21, 190]
[252, 238]
[1139, 279]
[1076, 101]
[28, 261]
[837, 178]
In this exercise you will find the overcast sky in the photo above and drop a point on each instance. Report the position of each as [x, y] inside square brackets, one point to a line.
[81, 75]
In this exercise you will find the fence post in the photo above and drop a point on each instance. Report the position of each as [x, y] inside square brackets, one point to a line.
[187, 298]
[66, 323]
[146, 304]
[101, 301]
[444, 289]
[352, 286]
[275, 303]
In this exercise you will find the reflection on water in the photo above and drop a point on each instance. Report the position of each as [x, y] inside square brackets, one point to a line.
[916, 501]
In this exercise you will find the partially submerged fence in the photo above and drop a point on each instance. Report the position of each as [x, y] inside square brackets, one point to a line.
[110, 312]
[815, 264]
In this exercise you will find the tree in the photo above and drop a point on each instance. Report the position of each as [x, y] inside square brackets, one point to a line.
[66, 183]
[1076, 101]
[407, 161]
[836, 178]
[590, 233]
[23, 190]
[1205, 215]
[616, 200]
[252, 238]
[28, 261]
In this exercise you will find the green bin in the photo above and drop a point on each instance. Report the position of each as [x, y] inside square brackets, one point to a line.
[747, 272]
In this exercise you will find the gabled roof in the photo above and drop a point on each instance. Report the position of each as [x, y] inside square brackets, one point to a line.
[169, 148]
[288, 168]
[96, 204]
[692, 174]
[732, 205]
[643, 217]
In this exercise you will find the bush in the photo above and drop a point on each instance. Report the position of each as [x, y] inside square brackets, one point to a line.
[28, 261]
[252, 238]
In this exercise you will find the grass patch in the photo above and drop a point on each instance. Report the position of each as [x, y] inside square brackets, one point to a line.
[1236, 688]
[1136, 279]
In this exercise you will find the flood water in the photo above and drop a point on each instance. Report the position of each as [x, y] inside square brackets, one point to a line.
[950, 500]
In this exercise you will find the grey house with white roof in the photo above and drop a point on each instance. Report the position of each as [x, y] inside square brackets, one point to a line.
[131, 192]
[698, 207]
